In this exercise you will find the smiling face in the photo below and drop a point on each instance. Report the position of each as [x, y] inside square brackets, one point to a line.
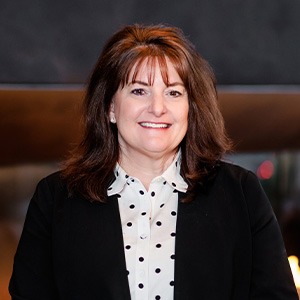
[151, 117]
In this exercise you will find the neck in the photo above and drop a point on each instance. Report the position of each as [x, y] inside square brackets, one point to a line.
[144, 167]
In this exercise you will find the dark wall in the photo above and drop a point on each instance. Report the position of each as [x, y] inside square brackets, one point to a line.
[246, 41]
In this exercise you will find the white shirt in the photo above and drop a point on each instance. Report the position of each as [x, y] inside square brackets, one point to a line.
[149, 228]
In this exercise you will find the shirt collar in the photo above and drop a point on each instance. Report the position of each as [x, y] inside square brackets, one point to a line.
[171, 175]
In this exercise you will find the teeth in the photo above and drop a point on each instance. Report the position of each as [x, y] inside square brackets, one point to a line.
[154, 125]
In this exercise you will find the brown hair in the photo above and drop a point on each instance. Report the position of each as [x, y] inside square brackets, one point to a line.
[89, 170]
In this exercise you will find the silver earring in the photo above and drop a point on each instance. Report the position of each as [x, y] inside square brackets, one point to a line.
[113, 119]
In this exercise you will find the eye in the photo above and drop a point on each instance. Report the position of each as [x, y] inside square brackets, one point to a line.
[138, 92]
[174, 93]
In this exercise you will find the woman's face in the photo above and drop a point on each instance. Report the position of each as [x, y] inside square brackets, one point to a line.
[151, 119]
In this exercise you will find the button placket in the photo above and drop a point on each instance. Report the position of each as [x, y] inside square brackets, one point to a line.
[142, 249]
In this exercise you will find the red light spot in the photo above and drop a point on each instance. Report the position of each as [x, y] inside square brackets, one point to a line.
[265, 170]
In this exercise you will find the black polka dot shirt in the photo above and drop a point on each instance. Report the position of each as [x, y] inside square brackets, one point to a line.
[149, 230]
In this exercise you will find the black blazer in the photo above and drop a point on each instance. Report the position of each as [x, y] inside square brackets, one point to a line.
[228, 246]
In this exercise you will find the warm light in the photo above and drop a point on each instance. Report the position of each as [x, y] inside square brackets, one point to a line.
[265, 170]
[294, 263]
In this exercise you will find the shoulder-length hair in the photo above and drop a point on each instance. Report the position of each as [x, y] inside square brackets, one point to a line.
[89, 170]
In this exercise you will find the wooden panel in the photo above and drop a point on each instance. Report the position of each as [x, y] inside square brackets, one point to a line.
[262, 121]
[38, 125]
[41, 125]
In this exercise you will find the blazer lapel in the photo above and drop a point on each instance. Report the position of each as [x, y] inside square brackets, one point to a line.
[124, 285]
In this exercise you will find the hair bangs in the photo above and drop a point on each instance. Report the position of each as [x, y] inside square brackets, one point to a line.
[181, 66]
[151, 57]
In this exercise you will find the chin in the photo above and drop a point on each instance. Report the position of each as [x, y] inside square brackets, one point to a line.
[159, 150]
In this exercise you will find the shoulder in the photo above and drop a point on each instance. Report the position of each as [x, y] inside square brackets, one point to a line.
[237, 177]
[244, 184]
[52, 186]
[53, 179]
[224, 176]
[234, 174]
[238, 182]
[232, 170]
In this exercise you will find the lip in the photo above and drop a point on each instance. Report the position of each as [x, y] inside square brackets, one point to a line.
[154, 125]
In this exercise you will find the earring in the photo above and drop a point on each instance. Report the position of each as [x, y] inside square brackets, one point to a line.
[113, 119]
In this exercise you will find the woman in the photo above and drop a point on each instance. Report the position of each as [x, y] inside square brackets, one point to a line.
[145, 208]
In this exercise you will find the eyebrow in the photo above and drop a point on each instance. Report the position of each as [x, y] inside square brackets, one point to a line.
[147, 84]
[176, 83]
[139, 82]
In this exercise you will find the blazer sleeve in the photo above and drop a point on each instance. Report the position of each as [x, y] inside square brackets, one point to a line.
[32, 276]
[271, 274]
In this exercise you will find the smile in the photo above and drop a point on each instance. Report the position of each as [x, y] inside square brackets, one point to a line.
[154, 125]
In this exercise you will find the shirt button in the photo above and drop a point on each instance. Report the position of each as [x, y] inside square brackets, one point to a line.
[143, 236]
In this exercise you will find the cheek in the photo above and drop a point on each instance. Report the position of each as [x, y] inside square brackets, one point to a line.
[120, 111]
[183, 114]
[126, 112]
[184, 119]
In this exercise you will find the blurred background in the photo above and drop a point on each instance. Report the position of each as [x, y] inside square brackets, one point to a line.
[48, 49]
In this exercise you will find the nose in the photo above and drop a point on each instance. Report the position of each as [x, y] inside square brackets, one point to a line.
[157, 105]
